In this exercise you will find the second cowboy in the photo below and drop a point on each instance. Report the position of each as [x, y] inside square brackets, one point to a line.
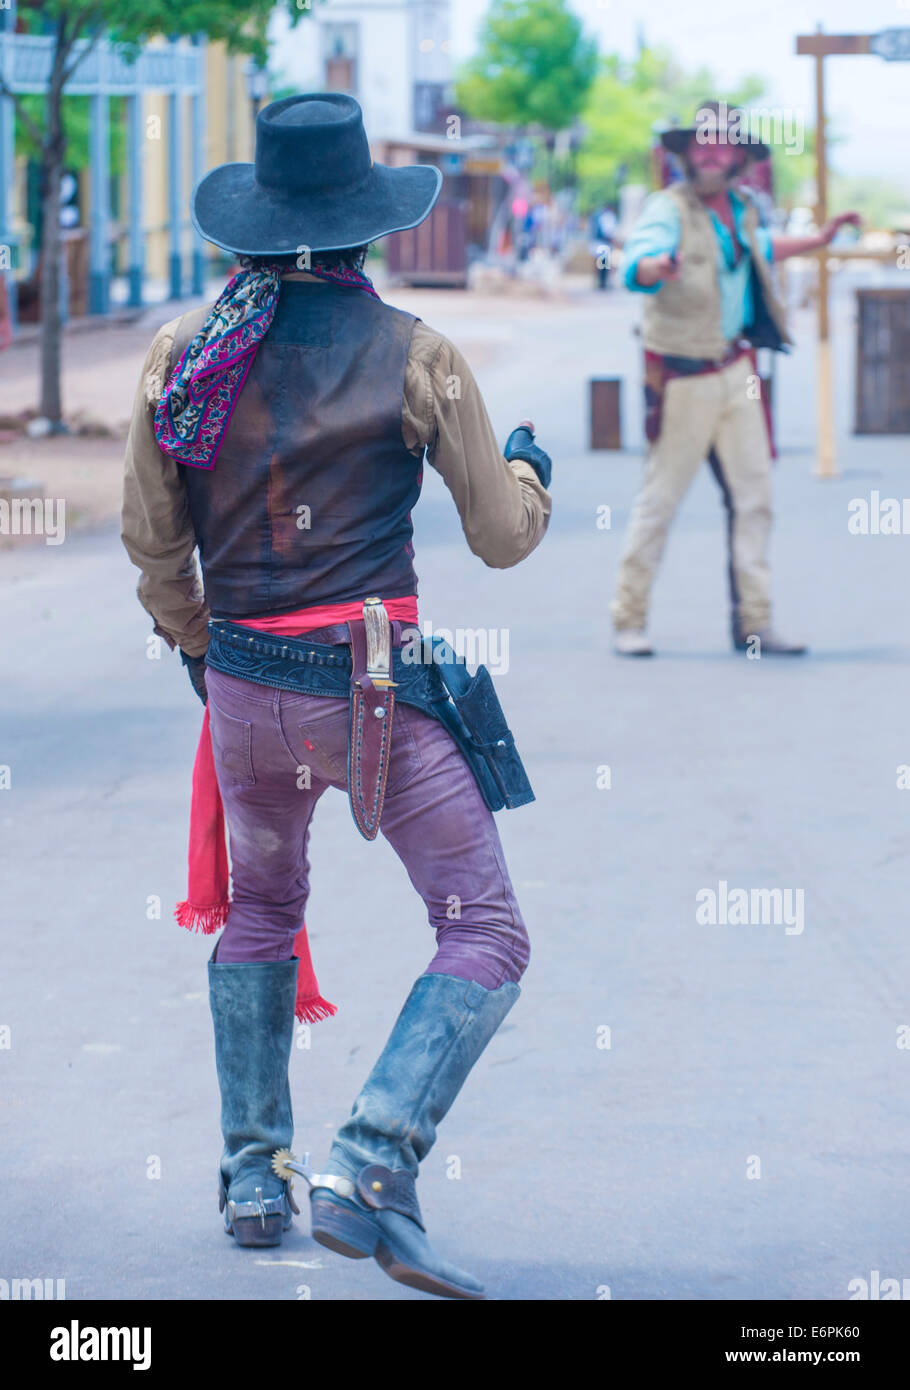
[700, 256]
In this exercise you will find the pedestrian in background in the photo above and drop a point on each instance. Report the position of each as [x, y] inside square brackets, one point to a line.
[603, 233]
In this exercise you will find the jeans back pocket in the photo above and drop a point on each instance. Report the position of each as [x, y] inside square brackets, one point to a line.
[232, 745]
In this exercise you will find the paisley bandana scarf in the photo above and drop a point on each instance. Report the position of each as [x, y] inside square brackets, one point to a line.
[195, 409]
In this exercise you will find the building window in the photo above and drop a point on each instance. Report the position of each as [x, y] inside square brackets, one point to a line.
[340, 45]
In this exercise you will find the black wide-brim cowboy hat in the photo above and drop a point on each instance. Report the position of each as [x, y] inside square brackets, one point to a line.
[716, 115]
[313, 186]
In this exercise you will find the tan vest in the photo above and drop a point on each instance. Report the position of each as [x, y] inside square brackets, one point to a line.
[683, 318]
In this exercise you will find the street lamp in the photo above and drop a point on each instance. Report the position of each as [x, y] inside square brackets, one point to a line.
[257, 85]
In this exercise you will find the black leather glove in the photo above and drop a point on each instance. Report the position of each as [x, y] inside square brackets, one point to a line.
[195, 665]
[520, 445]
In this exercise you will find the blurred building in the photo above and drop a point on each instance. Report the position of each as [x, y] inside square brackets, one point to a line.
[155, 127]
[228, 137]
[394, 56]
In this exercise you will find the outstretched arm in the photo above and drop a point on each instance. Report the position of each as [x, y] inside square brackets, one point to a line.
[785, 246]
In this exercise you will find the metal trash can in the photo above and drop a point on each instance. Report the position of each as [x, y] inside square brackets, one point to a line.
[882, 362]
[605, 417]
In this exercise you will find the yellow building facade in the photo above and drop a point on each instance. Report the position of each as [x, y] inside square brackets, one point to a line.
[229, 137]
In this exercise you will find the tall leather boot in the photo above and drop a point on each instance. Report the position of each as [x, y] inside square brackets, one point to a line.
[253, 1013]
[367, 1202]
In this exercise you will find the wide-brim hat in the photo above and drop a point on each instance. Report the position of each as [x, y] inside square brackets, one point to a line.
[730, 123]
[313, 185]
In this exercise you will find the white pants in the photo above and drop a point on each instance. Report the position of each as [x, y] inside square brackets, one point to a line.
[720, 411]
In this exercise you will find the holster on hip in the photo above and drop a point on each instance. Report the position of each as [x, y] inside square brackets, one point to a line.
[430, 677]
[475, 719]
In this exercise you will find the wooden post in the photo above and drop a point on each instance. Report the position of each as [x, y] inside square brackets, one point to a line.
[136, 137]
[606, 426]
[197, 160]
[819, 46]
[100, 252]
[175, 189]
[7, 173]
[826, 456]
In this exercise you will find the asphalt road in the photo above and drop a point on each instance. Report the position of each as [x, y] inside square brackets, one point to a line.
[744, 1134]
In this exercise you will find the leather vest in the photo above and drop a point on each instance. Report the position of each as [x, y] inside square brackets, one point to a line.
[310, 497]
[683, 319]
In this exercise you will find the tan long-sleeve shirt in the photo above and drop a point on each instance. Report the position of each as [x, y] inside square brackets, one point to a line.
[504, 508]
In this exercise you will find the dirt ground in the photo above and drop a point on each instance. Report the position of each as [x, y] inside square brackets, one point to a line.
[101, 370]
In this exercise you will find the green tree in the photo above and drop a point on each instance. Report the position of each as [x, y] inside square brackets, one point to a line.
[76, 26]
[76, 130]
[534, 68]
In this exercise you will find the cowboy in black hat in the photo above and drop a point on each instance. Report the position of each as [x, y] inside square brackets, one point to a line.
[702, 258]
[281, 432]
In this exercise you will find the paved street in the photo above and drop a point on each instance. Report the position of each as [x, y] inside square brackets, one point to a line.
[744, 1135]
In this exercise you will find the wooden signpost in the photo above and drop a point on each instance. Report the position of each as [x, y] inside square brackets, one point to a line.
[894, 46]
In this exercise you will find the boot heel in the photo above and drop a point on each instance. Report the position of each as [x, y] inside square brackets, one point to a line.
[258, 1223]
[252, 1230]
[343, 1230]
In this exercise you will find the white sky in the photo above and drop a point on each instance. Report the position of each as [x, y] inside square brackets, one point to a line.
[868, 99]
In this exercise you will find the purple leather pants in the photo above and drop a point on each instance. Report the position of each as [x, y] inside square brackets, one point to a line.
[277, 752]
